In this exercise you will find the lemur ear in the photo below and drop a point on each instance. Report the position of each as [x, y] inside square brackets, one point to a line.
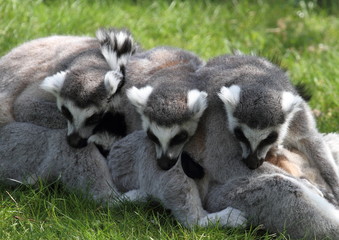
[113, 81]
[230, 96]
[54, 83]
[290, 103]
[139, 96]
[197, 102]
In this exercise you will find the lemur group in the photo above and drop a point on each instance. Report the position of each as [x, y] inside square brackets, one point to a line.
[226, 141]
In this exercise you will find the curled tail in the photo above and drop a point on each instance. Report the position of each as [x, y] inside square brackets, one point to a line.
[117, 46]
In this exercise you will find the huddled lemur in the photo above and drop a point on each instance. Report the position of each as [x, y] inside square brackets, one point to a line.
[264, 110]
[25, 67]
[84, 74]
[88, 93]
[162, 87]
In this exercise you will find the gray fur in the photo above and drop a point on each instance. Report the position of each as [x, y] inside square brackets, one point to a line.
[90, 88]
[265, 196]
[262, 88]
[170, 71]
[23, 69]
[296, 164]
[160, 84]
[135, 172]
[29, 153]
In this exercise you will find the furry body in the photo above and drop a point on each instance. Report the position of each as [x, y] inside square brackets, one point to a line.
[29, 153]
[135, 174]
[265, 196]
[296, 164]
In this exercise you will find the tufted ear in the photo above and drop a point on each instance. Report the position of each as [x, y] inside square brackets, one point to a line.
[54, 83]
[113, 81]
[139, 97]
[197, 102]
[290, 103]
[230, 96]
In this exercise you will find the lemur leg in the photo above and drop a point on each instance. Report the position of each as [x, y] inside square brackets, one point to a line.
[280, 203]
[320, 155]
[180, 194]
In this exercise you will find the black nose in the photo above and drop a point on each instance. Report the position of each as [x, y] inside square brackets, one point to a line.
[252, 162]
[166, 163]
[74, 140]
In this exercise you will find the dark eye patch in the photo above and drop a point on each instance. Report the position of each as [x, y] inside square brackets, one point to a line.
[240, 135]
[271, 138]
[152, 137]
[67, 114]
[179, 138]
[94, 119]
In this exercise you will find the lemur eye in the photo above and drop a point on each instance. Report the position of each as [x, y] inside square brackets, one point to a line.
[152, 137]
[94, 119]
[240, 135]
[269, 140]
[67, 114]
[179, 138]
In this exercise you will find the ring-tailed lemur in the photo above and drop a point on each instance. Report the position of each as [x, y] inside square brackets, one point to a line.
[168, 98]
[88, 91]
[23, 69]
[264, 110]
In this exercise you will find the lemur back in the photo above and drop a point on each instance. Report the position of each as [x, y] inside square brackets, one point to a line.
[23, 69]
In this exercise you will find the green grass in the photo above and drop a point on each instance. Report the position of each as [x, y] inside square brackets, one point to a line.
[302, 34]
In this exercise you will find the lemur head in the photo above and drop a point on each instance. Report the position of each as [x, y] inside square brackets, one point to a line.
[259, 118]
[170, 117]
[89, 89]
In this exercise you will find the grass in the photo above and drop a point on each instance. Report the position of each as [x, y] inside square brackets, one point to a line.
[302, 34]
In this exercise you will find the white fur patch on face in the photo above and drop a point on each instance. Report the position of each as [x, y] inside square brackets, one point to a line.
[256, 136]
[197, 102]
[290, 103]
[112, 81]
[139, 97]
[54, 83]
[230, 96]
[166, 134]
[80, 115]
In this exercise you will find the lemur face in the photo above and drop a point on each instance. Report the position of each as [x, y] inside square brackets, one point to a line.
[169, 139]
[260, 122]
[82, 120]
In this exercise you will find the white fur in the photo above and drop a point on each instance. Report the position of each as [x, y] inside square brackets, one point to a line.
[290, 102]
[139, 96]
[165, 134]
[54, 83]
[112, 80]
[228, 217]
[230, 96]
[197, 102]
[79, 117]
